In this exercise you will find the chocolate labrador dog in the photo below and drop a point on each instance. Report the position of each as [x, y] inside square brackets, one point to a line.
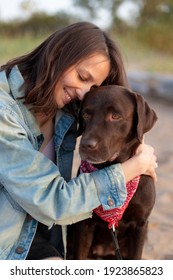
[113, 121]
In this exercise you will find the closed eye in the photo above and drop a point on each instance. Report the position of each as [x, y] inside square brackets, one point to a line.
[85, 76]
[85, 79]
[94, 86]
[82, 78]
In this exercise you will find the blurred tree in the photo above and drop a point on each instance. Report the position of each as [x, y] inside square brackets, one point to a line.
[153, 24]
[37, 24]
[42, 23]
[94, 8]
[154, 12]
[150, 12]
[28, 7]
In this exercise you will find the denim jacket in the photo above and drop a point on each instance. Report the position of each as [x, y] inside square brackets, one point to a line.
[32, 187]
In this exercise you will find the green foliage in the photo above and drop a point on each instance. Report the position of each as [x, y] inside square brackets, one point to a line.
[94, 7]
[153, 24]
[157, 37]
[138, 56]
[135, 55]
[155, 12]
[37, 24]
[153, 27]
[11, 47]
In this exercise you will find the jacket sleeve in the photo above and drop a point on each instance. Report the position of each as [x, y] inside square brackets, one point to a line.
[36, 185]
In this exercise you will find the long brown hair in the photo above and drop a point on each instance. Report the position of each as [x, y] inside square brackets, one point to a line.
[43, 66]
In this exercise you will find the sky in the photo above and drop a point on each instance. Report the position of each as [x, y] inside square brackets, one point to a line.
[10, 9]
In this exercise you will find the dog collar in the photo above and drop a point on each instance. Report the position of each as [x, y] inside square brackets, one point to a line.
[112, 216]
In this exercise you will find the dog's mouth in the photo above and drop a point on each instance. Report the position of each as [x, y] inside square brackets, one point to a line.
[94, 159]
[115, 155]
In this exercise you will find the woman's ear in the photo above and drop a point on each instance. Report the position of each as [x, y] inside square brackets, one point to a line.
[146, 117]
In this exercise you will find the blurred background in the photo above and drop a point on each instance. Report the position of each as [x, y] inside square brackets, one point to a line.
[143, 30]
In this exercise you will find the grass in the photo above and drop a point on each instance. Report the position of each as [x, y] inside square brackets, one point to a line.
[13, 47]
[136, 56]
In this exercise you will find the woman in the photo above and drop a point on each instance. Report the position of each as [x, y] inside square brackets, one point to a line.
[40, 96]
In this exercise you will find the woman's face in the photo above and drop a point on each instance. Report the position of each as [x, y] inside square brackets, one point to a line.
[80, 78]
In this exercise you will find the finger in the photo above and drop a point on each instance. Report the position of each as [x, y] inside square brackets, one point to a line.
[154, 175]
[155, 178]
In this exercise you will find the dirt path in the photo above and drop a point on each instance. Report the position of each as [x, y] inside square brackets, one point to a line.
[160, 237]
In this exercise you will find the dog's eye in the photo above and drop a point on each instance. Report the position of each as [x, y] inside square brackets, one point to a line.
[115, 116]
[85, 116]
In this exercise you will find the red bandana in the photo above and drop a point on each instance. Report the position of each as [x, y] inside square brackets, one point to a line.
[114, 215]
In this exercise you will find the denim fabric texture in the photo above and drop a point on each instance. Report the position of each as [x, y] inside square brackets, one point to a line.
[32, 187]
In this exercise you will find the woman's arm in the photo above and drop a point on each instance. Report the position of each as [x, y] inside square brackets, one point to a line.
[33, 183]
[143, 162]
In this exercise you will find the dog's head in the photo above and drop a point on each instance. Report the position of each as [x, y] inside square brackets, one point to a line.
[112, 122]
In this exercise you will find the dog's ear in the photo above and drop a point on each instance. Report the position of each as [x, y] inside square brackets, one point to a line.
[146, 117]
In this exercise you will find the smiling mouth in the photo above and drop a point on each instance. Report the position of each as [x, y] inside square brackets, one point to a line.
[68, 97]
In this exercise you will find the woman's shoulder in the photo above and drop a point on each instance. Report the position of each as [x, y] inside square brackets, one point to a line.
[4, 85]
[6, 99]
[10, 91]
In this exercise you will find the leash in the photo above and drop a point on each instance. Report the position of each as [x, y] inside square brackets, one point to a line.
[115, 240]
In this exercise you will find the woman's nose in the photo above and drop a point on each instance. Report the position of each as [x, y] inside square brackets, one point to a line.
[82, 91]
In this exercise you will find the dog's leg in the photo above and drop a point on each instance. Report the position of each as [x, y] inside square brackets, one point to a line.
[82, 239]
[136, 241]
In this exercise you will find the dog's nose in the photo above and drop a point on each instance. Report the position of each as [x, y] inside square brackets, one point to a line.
[89, 144]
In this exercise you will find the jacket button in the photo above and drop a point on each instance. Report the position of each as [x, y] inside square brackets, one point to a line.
[110, 202]
[19, 250]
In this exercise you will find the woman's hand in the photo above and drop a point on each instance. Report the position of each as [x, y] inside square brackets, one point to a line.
[143, 162]
[148, 160]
